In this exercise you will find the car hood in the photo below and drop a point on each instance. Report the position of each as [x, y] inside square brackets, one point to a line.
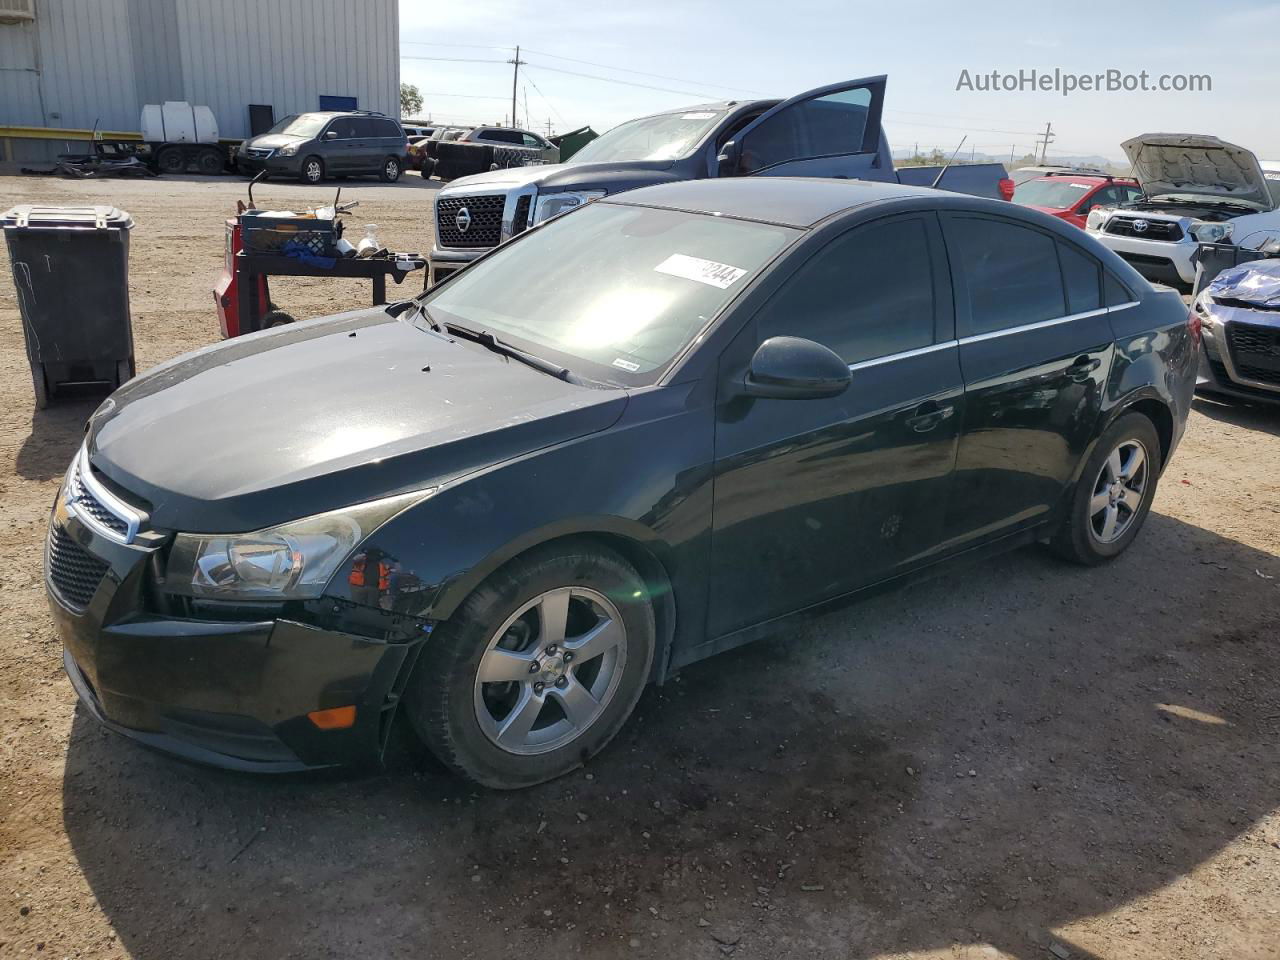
[272, 140]
[323, 414]
[556, 177]
[1255, 283]
[1199, 165]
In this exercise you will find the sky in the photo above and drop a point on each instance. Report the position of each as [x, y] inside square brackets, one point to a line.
[670, 55]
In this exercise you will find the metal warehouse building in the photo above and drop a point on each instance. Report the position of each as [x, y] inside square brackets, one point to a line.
[73, 63]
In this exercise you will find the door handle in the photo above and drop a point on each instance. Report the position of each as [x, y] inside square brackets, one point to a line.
[1083, 368]
[928, 415]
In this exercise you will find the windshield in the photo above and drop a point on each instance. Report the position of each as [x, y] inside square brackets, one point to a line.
[1054, 193]
[664, 137]
[623, 288]
[300, 125]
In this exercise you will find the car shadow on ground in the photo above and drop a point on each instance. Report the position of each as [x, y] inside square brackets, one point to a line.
[1252, 416]
[981, 759]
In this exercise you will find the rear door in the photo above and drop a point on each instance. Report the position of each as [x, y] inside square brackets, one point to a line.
[366, 147]
[833, 131]
[815, 498]
[1035, 350]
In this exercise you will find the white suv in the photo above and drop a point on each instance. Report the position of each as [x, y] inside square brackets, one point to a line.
[1196, 189]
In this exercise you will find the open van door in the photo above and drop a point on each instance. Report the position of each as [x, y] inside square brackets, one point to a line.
[833, 131]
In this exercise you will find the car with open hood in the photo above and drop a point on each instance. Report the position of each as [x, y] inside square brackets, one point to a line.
[1196, 189]
[659, 427]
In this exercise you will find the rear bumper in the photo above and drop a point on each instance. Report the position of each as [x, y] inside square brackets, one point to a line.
[231, 693]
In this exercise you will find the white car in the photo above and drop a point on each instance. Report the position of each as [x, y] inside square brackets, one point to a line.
[1196, 189]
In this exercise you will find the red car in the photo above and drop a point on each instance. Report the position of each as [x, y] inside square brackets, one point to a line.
[1070, 196]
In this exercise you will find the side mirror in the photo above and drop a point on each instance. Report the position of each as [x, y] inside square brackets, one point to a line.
[791, 368]
[728, 158]
[331, 135]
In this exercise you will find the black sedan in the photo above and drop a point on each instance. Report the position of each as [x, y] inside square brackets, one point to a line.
[643, 433]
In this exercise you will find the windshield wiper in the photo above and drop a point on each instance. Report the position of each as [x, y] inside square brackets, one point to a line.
[419, 308]
[489, 341]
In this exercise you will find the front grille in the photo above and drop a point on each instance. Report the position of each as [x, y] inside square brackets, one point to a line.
[84, 502]
[520, 219]
[484, 228]
[1156, 229]
[74, 572]
[1247, 338]
[258, 152]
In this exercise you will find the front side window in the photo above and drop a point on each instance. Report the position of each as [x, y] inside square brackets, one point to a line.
[1011, 271]
[867, 294]
[1106, 197]
[344, 127]
[833, 125]
[531, 141]
[614, 289]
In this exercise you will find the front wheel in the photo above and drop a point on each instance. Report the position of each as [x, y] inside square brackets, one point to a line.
[390, 172]
[1113, 495]
[538, 669]
[312, 170]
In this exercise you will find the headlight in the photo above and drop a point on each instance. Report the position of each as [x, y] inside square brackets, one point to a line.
[293, 561]
[1211, 232]
[1096, 219]
[288, 150]
[554, 204]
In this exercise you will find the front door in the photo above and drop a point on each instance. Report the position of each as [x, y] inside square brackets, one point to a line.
[1035, 348]
[339, 141]
[817, 497]
[833, 131]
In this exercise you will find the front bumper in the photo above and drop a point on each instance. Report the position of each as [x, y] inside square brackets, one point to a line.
[1160, 260]
[234, 692]
[274, 164]
[443, 263]
[1225, 371]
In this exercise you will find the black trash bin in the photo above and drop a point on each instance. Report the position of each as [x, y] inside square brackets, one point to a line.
[71, 270]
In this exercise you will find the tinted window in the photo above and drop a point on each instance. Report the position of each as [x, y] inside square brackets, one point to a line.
[531, 141]
[867, 294]
[386, 128]
[1116, 293]
[501, 136]
[1083, 278]
[823, 126]
[1012, 273]
[345, 127]
[366, 127]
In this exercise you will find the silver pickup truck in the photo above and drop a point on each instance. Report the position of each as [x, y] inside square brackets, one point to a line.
[833, 131]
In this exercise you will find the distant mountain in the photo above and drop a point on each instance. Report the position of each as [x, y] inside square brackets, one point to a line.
[1073, 160]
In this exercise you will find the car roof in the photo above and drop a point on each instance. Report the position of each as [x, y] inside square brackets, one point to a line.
[790, 201]
[1095, 180]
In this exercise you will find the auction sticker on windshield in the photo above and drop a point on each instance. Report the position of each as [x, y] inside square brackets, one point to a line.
[710, 272]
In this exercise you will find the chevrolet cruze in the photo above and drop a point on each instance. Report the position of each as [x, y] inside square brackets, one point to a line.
[643, 433]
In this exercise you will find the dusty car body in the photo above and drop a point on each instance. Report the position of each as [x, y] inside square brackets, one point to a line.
[1197, 189]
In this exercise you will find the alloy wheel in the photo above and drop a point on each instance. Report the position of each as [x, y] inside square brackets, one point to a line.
[1118, 491]
[313, 171]
[550, 671]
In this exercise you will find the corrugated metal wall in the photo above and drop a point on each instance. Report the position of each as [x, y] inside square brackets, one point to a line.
[100, 60]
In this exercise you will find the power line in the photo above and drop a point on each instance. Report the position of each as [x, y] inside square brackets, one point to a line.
[545, 100]
[625, 83]
[406, 56]
[461, 96]
[641, 73]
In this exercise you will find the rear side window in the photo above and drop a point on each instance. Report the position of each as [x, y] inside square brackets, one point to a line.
[366, 128]
[1083, 278]
[1011, 271]
[867, 294]
[386, 128]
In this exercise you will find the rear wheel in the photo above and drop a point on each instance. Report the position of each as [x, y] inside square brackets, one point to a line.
[171, 160]
[1113, 496]
[276, 318]
[312, 170]
[538, 669]
[390, 172]
[209, 162]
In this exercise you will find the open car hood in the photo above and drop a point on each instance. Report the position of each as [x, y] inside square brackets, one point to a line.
[1199, 165]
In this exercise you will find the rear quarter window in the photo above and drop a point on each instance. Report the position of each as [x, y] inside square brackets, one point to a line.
[1082, 276]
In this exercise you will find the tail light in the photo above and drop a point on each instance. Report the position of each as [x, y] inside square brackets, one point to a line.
[1195, 323]
[1006, 188]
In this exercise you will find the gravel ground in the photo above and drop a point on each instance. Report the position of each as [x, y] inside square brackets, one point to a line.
[1017, 759]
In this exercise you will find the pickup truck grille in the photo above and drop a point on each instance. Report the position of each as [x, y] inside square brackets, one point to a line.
[1256, 352]
[483, 220]
[1155, 229]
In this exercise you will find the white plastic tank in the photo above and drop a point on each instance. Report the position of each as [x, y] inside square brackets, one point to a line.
[176, 121]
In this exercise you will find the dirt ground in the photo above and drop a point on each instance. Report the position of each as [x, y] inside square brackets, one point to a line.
[1018, 759]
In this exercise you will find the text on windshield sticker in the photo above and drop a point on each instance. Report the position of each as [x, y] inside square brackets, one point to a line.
[714, 274]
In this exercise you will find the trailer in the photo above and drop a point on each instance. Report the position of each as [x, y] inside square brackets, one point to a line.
[178, 136]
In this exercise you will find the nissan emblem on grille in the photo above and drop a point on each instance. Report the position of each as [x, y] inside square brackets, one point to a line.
[463, 220]
[1140, 226]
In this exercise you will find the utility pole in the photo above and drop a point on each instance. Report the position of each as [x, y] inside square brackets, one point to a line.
[548, 127]
[516, 64]
[1012, 148]
[1045, 139]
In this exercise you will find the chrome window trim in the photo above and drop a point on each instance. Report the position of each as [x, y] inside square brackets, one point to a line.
[979, 337]
[131, 517]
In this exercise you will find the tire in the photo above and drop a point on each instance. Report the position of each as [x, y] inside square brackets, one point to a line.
[1102, 519]
[461, 718]
[171, 160]
[311, 170]
[276, 318]
[209, 162]
[41, 385]
[391, 169]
